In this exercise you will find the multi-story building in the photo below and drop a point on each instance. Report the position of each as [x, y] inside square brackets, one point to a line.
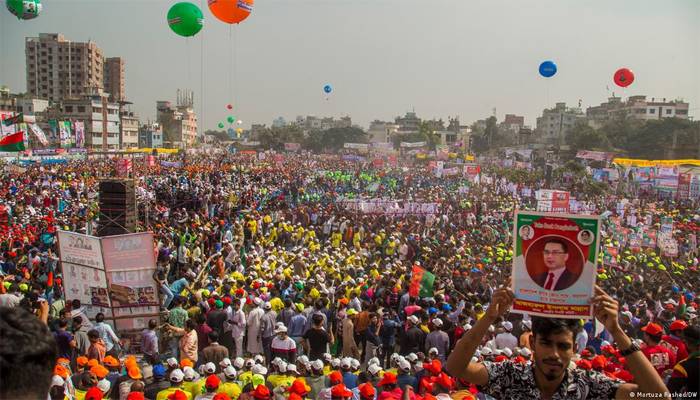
[61, 69]
[7, 100]
[31, 106]
[313, 123]
[381, 132]
[636, 107]
[91, 111]
[150, 136]
[114, 78]
[129, 129]
[555, 123]
[408, 123]
[179, 123]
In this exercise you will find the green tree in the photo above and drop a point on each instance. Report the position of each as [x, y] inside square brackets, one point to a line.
[276, 137]
[584, 137]
[334, 139]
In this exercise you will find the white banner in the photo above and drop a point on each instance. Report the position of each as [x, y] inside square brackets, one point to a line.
[413, 144]
[389, 207]
[358, 146]
[39, 134]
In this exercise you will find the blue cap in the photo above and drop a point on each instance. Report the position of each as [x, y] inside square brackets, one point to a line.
[432, 310]
[159, 370]
[446, 307]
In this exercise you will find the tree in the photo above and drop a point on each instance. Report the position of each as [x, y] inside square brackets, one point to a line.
[276, 137]
[584, 137]
[334, 139]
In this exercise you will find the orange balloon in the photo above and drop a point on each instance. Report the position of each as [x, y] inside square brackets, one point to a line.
[231, 11]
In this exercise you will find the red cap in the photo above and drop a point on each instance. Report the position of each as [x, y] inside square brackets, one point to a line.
[299, 387]
[445, 381]
[135, 396]
[584, 364]
[388, 379]
[221, 396]
[367, 391]
[340, 390]
[624, 375]
[678, 325]
[227, 301]
[608, 349]
[94, 393]
[292, 396]
[501, 358]
[599, 362]
[177, 395]
[586, 353]
[335, 377]
[212, 382]
[261, 392]
[434, 367]
[653, 329]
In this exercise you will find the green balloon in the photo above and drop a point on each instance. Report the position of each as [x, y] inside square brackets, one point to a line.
[221, 125]
[230, 119]
[24, 9]
[185, 19]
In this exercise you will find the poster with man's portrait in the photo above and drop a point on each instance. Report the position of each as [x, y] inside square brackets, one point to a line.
[554, 264]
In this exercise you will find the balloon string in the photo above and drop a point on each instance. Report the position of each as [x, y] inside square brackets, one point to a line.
[201, 78]
[230, 62]
[235, 59]
[187, 55]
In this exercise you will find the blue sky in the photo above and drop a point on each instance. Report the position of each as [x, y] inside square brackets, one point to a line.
[383, 57]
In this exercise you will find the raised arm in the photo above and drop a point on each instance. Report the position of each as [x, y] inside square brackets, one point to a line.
[459, 362]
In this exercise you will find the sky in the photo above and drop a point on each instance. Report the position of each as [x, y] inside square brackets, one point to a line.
[441, 58]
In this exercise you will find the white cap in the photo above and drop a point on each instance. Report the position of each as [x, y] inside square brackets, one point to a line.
[525, 352]
[374, 369]
[303, 359]
[259, 358]
[282, 366]
[467, 327]
[355, 364]
[258, 301]
[507, 326]
[394, 357]
[373, 360]
[433, 350]
[177, 375]
[104, 385]
[57, 381]
[230, 372]
[345, 363]
[249, 362]
[281, 329]
[267, 305]
[225, 362]
[474, 360]
[317, 365]
[528, 324]
[335, 363]
[189, 373]
[209, 368]
[507, 352]
[412, 357]
[404, 365]
[292, 368]
[327, 357]
[275, 361]
[437, 322]
[172, 362]
[239, 362]
[259, 369]
[486, 351]
[412, 319]
[492, 329]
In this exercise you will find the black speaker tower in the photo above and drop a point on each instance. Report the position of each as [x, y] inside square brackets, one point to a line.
[117, 207]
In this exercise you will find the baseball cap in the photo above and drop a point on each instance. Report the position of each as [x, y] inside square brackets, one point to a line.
[230, 372]
[388, 379]
[340, 390]
[209, 368]
[104, 385]
[335, 377]
[172, 362]
[437, 322]
[412, 319]
[374, 369]
[367, 391]
[212, 382]
[653, 329]
[317, 365]
[678, 325]
[507, 326]
[159, 370]
[225, 362]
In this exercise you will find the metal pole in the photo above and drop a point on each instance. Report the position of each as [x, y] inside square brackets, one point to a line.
[104, 123]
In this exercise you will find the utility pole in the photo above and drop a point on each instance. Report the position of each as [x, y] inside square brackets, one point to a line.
[104, 122]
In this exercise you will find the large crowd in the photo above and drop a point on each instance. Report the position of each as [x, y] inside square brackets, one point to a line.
[271, 286]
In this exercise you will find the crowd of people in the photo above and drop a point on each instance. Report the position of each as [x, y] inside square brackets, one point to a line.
[273, 286]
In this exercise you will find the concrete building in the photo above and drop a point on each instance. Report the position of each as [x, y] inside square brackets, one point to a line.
[89, 109]
[150, 136]
[408, 123]
[114, 78]
[555, 123]
[313, 123]
[512, 123]
[129, 129]
[179, 122]
[58, 68]
[636, 107]
[31, 106]
[381, 132]
[7, 100]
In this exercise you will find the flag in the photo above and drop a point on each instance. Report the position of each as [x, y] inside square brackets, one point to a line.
[682, 307]
[421, 283]
[39, 134]
[243, 256]
[13, 120]
[14, 142]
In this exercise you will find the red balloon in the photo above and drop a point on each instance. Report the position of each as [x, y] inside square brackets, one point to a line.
[229, 106]
[623, 77]
[231, 11]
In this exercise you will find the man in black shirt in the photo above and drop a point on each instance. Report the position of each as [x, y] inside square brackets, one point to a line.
[414, 338]
[685, 374]
[316, 339]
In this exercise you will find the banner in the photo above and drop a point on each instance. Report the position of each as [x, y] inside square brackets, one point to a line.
[65, 135]
[593, 155]
[552, 200]
[412, 144]
[83, 275]
[554, 264]
[39, 133]
[442, 152]
[292, 146]
[389, 207]
[652, 163]
[171, 164]
[79, 133]
[525, 153]
[684, 180]
[357, 146]
[150, 161]
[450, 171]
[123, 166]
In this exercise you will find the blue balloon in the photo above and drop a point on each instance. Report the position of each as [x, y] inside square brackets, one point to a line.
[328, 88]
[548, 69]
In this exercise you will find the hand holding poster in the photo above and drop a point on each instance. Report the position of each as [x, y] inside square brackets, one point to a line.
[555, 263]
